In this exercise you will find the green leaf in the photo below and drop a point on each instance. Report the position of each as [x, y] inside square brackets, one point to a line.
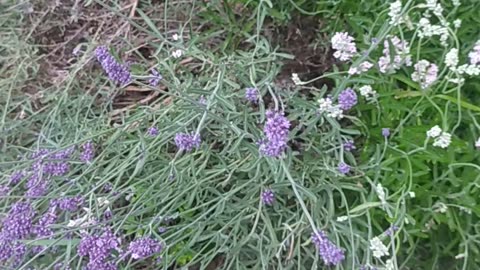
[365, 206]
[463, 103]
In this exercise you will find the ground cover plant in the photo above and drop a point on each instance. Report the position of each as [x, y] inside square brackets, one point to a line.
[239, 134]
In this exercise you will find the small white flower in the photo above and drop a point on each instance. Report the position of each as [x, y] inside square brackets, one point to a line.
[367, 92]
[394, 13]
[381, 193]
[378, 248]
[362, 67]
[440, 207]
[353, 71]
[460, 256]
[457, 23]
[443, 141]
[344, 46]
[326, 106]
[434, 132]
[175, 37]
[425, 73]
[389, 265]
[456, 3]
[412, 194]
[83, 221]
[296, 80]
[456, 80]
[177, 53]
[471, 70]
[451, 58]
[342, 218]
[335, 112]
[477, 143]
[103, 201]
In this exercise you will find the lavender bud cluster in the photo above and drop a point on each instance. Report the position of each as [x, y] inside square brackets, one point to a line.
[343, 168]
[268, 197]
[144, 247]
[276, 132]
[152, 132]
[347, 99]
[155, 78]
[99, 249]
[88, 152]
[329, 252]
[349, 146]
[187, 142]
[116, 72]
[251, 94]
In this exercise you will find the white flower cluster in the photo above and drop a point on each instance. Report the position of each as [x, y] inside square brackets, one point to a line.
[378, 248]
[367, 92]
[451, 58]
[457, 23]
[296, 80]
[428, 30]
[435, 7]
[177, 53]
[401, 55]
[442, 138]
[363, 67]
[477, 143]
[326, 106]
[395, 13]
[471, 69]
[425, 73]
[344, 46]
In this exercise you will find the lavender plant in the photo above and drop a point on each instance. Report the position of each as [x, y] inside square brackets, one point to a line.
[344, 190]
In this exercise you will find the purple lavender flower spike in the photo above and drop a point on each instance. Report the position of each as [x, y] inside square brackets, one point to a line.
[16, 177]
[116, 72]
[88, 152]
[251, 94]
[42, 229]
[343, 168]
[276, 132]
[385, 132]
[18, 223]
[36, 186]
[268, 197]
[347, 99]
[99, 249]
[349, 146]
[152, 132]
[155, 78]
[4, 190]
[187, 142]
[329, 252]
[71, 204]
[144, 247]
